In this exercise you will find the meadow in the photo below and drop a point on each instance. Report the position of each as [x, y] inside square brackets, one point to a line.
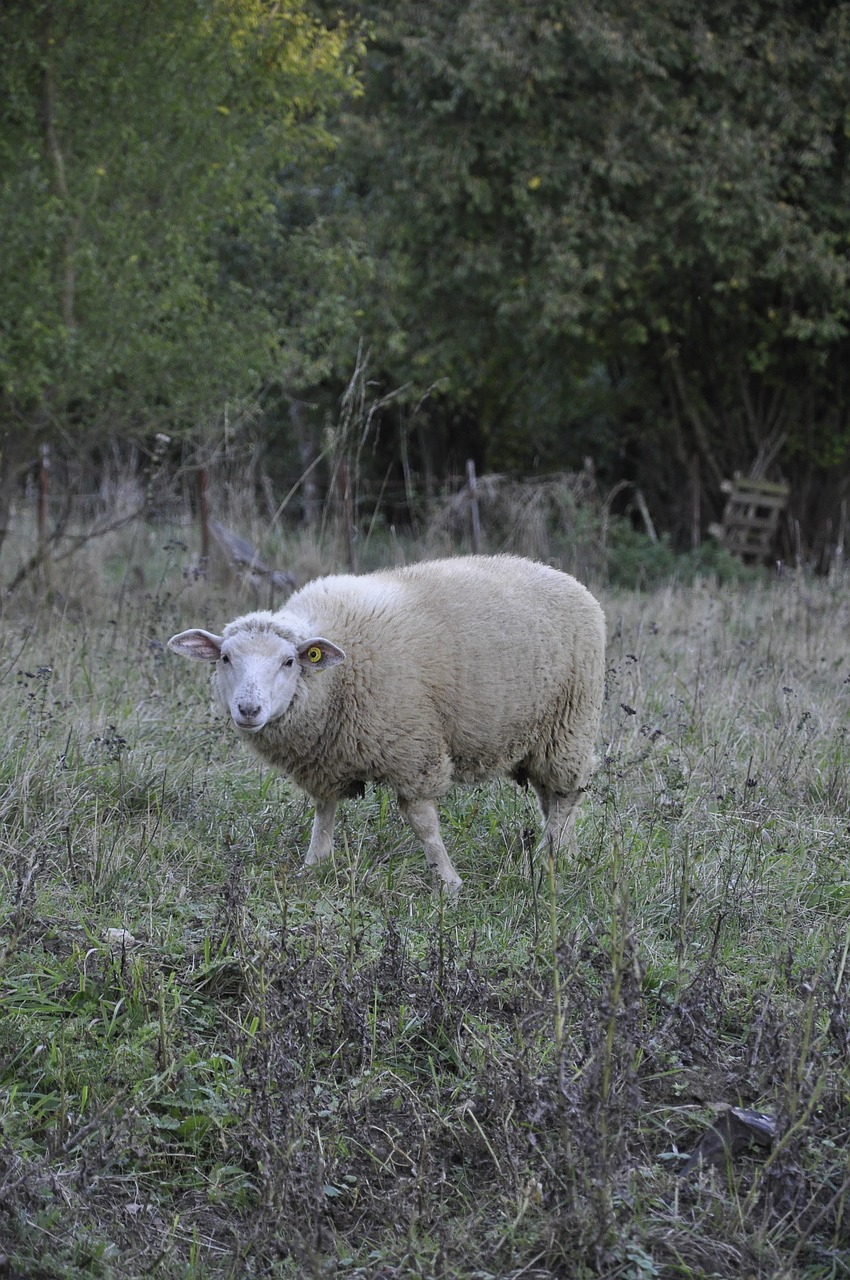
[216, 1065]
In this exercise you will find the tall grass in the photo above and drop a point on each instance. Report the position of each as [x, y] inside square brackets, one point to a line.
[215, 1064]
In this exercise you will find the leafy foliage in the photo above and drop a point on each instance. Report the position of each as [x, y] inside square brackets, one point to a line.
[614, 230]
[562, 231]
[141, 151]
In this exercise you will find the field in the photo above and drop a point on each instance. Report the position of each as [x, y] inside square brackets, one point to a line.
[213, 1064]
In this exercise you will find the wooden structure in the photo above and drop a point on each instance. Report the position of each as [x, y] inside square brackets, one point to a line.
[242, 556]
[750, 517]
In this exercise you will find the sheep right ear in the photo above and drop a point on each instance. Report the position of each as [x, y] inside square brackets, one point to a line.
[202, 645]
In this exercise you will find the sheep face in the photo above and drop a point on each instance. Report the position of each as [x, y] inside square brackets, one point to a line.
[257, 671]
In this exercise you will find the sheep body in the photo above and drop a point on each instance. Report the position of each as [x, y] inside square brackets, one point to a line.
[448, 671]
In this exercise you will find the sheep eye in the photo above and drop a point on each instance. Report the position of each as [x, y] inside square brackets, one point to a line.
[288, 662]
[224, 658]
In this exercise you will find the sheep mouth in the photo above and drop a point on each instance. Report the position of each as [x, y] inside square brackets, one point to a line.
[251, 725]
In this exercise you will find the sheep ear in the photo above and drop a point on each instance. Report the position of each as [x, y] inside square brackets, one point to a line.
[202, 645]
[317, 654]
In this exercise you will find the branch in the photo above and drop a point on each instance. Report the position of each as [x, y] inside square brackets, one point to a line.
[58, 160]
[78, 540]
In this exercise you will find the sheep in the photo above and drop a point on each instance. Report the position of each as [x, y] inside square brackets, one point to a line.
[443, 672]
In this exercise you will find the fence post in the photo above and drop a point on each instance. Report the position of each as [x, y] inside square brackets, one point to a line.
[307, 462]
[344, 481]
[472, 486]
[43, 486]
[204, 513]
[696, 520]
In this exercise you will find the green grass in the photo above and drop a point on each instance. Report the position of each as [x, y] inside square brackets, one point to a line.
[283, 1073]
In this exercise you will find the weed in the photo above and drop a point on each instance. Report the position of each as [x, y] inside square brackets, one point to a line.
[215, 1064]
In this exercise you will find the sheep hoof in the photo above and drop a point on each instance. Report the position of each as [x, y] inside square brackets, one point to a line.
[315, 857]
[451, 888]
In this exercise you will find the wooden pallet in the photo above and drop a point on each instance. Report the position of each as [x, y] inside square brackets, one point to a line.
[750, 517]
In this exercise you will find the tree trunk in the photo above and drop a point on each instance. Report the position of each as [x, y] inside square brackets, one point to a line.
[60, 180]
[307, 459]
[692, 414]
[14, 460]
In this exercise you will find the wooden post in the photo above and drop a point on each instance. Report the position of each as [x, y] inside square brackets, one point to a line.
[344, 482]
[43, 486]
[204, 513]
[307, 460]
[408, 482]
[837, 558]
[696, 516]
[472, 486]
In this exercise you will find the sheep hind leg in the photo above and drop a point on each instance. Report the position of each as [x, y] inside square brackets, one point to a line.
[322, 835]
[423, 820]
[560, 812]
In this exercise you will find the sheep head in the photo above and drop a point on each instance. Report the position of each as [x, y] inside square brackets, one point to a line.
[257, 669]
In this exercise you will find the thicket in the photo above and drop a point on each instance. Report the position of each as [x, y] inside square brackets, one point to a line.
[618, 231]
[553, 232]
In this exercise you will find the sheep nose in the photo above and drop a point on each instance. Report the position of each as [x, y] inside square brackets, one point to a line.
[248, 711]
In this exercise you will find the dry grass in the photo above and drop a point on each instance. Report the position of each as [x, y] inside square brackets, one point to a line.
[275, 1073]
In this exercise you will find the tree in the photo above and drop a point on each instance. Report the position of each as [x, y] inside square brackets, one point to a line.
[615, 229]
[142, 148]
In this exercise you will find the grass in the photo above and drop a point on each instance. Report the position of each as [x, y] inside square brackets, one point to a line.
[214, 1064]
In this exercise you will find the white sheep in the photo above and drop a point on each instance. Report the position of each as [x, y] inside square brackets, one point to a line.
[449, 671]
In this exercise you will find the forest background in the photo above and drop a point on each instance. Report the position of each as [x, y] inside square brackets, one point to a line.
[548, 236]
[316, 257]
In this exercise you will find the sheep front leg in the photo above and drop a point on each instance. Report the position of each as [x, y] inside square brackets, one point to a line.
[424, 822]
[322, 836]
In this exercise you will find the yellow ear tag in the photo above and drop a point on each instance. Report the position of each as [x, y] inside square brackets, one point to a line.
[314, 653]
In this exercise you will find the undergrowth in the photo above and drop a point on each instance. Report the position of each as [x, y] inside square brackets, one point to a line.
[216, 1064]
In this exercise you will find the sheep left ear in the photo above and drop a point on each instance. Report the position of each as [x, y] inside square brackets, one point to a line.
[317, 654]
[198, 644]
